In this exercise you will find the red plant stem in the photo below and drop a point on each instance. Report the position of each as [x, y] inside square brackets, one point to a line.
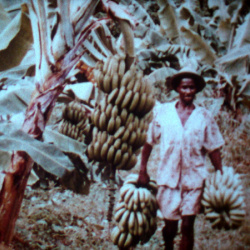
[12, 193]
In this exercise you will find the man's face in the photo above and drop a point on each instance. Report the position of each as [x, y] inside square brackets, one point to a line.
[187, 90]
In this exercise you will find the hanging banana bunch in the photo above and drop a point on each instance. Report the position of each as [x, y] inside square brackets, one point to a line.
[121, 119]
[75, 123]
[135, 213]
[223, 199]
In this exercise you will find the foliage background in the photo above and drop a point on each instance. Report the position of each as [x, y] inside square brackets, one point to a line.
[212, 36]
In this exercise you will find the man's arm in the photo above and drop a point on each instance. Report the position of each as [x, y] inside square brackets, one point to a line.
[143, 175]
[215, 158]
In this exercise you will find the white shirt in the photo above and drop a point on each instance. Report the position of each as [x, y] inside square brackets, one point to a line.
[183, 148]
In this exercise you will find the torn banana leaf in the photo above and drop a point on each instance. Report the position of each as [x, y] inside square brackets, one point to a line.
[236, 61]
[48, 156]
[168, 21]
[202, 50]
[15, 100]
[65, 143]
[242, 36]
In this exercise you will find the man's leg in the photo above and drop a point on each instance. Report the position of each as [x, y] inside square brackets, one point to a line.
[187, 230]
[169, 232]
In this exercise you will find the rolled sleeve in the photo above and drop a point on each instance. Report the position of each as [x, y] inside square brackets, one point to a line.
[154, 130]
[212, 138]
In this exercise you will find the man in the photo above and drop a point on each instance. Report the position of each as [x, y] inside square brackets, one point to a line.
[186, 133]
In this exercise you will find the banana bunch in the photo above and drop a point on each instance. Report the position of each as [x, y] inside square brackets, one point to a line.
[75, 122]
[121, 119]
[135, 213]
[223, 199]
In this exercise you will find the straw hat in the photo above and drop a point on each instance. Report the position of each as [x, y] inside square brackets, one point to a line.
[187, 72]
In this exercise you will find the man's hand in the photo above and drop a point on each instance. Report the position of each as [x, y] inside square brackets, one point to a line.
[215, 158]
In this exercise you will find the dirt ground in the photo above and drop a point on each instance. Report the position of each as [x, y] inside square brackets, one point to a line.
[56, 218]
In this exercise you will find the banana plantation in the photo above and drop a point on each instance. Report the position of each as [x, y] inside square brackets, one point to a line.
[79, 81]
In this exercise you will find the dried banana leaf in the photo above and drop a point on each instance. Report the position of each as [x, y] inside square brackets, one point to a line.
[236, 61]
[242, 36]
[16, 40]
[168, 21]
[202, 50]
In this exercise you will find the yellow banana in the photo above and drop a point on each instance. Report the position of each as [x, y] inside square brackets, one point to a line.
[103, 121]
[142, 102]
[115, 111]
[104, 151]
[106, 65]
[97, 114]
[124, 115]
[121, 70]
[130, 204]
[216, 222]
[129, 121]
[131, 221]
[135, 231]
[118, 157]
[130, 84]
[125, 136]
[115, 234]
[117, 143]
[124, 161]
[118, 122]
[107, 83]
[124, 189]
[132, 162]
[149, 103]
[239, 203]
[233, 198]
[108, 110]
[119, 132]
[124, 147]
[111, 154]
[134, 102]
[115, 81]
[119, 213]
[136, 197]
[122, 239]
[113, 95]
[111, 125]
[127, 78]
[212, 215]
[97, 147]
[90, 151]
[132, 138]
[237, 212]
[128, 241]
[124, 219]
[137, 86]
[127, 99]
[153, 185]
[128, 195]
[119, 206]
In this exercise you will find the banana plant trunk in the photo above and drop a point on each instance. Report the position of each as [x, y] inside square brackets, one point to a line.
[15, 180]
